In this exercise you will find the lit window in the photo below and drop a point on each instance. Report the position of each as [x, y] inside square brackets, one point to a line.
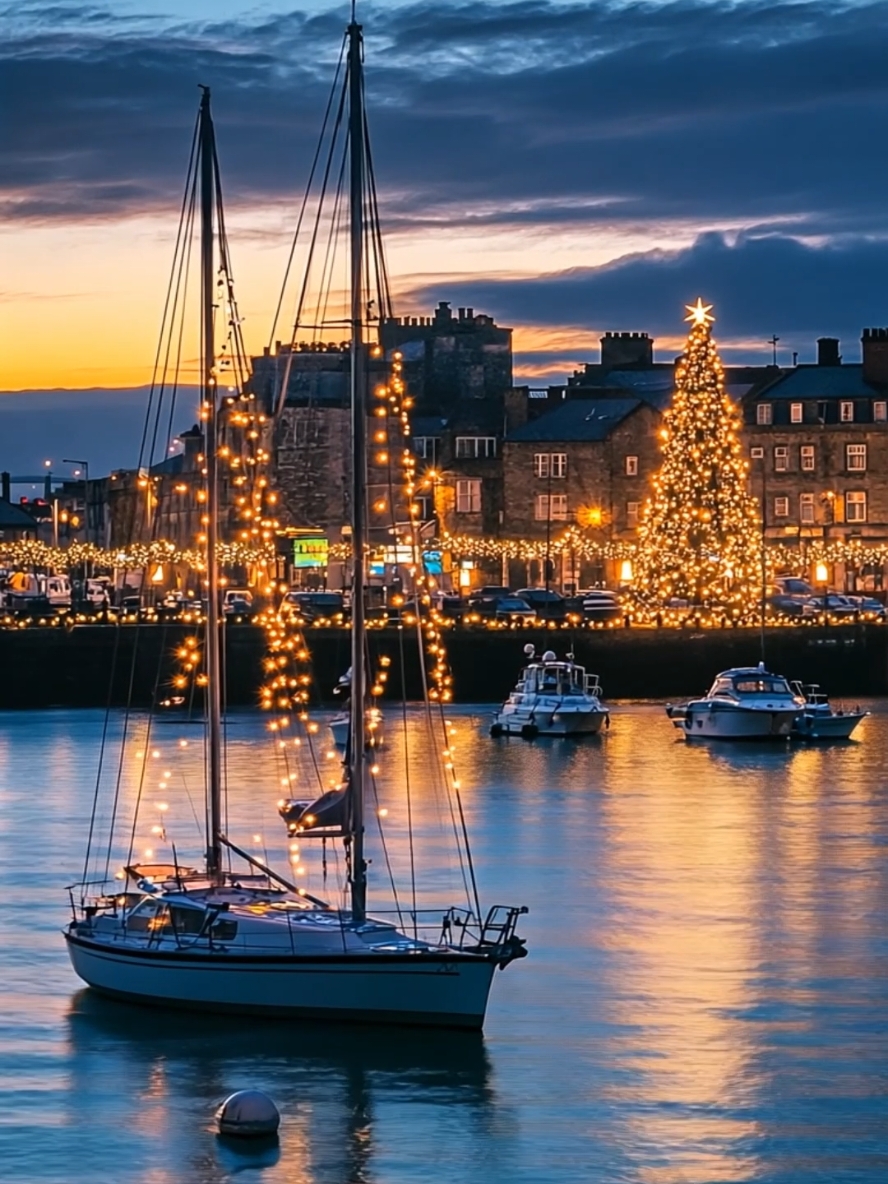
[846, 412]
[757, 453]
[468, 497]
[855, 458]
[855, 506]
[880, 411]
[631, 466]
[781, 459]
[807, 458]
[550, 464]
[781, 507]
[632, 514]
[550, 509]
[472, 447]
[806, 508]
[795, 413]
[763, 413]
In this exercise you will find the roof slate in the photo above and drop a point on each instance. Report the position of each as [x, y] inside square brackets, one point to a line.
[13, 518]
[820, 382]
[577, 419]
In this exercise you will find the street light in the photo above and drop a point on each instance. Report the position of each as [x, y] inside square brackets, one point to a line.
[84, 464]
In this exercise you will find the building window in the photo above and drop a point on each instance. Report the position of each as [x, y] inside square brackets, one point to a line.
[472, 447]
[763, 413]
[781, 507]
[855, 458]
[806, 509]
[796, 413]
[781, 458]
[855, 506]
[550, 509]
[550, 464]
[468, 497]
[880, 411]
[846, 412]
[631, 466]
[426, 447]
[807, 458]
[757, 453]
[632, 514]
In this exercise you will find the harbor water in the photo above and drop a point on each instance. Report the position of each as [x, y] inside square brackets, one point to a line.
[705, 999]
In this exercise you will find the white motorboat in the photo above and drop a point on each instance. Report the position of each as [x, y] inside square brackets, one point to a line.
[745, 703]
[552, 698]
[819, 719]
[215, 939]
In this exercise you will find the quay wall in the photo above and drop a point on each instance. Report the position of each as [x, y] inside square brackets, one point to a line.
[91, 665]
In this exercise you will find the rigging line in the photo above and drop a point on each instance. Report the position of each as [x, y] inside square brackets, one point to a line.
[388, 862]
[163, 323]
[382, 281]
[105, 722]
[307, 194]
[235, 334]
[126, 719]
[282, 393]
[161, 651]
[407, 778]
[175, 386]
[336, 229]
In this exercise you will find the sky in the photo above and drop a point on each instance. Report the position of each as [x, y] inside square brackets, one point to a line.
[568, 168]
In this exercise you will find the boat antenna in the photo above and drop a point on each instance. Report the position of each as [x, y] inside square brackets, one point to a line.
[357, 748]
[207, 150]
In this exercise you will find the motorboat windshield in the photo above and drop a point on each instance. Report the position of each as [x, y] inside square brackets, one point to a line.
[742, 683]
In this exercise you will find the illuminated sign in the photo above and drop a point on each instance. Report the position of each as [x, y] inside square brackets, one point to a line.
[310, 550]
[433, 562]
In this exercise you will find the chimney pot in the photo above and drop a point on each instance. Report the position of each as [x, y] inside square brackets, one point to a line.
[828, 352]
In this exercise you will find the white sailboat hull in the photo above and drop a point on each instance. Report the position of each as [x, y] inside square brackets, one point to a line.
[438, 988]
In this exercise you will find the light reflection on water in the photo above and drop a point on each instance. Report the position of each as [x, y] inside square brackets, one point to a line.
[705, 998]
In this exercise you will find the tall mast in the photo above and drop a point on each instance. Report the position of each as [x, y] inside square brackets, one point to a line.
[357, 745]
[214, 680]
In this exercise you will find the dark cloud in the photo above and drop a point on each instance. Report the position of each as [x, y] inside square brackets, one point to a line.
[759, 286]
[527, 113]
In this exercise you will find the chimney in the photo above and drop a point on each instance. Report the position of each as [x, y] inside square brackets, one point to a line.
[461, 313]
[828, 351]
[470, 314]
[626, 351]
[875, 356]
[4, 486]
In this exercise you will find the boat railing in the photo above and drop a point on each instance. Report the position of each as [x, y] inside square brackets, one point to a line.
[592, 684]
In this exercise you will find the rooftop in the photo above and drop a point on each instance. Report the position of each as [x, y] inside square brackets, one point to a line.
[820, 382]
[577, 419]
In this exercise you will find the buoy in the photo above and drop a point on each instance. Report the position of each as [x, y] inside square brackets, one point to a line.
[496, 729]
[529, 732]
[248, 1113]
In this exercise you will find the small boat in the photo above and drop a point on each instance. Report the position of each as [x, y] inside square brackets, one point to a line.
[744, 703]
[552, 698]
[819, 719]
[340, 724]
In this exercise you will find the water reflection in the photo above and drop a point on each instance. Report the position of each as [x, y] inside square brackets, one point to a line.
[162, 1074]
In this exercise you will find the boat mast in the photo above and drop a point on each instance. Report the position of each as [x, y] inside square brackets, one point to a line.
[207, 144]
[357, 745]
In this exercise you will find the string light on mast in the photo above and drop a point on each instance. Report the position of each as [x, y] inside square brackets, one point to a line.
[699, 538]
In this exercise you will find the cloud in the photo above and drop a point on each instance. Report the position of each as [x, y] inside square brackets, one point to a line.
[759, 285]
[527, 114]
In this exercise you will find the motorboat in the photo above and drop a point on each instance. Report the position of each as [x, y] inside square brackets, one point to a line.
[552, 698]
[744, 703]
[819, 719]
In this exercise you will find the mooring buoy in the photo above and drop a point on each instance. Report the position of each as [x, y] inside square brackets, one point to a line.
[248, 1113]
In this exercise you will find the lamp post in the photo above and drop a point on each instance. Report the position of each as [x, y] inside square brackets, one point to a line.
[548, 523]
[84, 464]
[821, 576]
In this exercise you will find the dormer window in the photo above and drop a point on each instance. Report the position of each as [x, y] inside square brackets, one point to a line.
[846, 412]
[796, 413]
[880, 411]
[763, 413]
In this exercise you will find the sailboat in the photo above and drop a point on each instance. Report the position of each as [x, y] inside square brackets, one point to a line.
[247, 942]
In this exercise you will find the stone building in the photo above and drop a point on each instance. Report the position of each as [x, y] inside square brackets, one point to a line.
[450, 360]
[817, 440]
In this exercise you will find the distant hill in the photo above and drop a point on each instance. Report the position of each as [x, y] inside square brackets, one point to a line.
[102, 426]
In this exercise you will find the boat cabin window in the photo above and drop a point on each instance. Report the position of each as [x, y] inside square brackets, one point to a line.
[146, 917]
[761, 686]
[224, 930]
[724, 687]
[187, 921]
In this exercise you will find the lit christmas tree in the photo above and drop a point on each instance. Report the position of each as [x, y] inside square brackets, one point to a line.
[700, 538]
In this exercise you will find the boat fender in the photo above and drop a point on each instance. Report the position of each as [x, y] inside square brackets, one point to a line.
[496, 729]
[248, 1113]
[607, 721]
[529, 732]
[146, 886]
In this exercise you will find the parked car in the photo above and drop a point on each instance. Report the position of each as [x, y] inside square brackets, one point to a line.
[514, 608]
[832, 604]
[548, 605]
[315, 606]
[869, 608]
[600, 604]
[793, 586]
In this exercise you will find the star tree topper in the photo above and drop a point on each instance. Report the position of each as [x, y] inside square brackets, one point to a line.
[699, 313]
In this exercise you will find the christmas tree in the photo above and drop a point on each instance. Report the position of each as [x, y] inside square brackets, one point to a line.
[699, 539]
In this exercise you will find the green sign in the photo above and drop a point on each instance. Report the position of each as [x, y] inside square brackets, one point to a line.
[310, 550]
